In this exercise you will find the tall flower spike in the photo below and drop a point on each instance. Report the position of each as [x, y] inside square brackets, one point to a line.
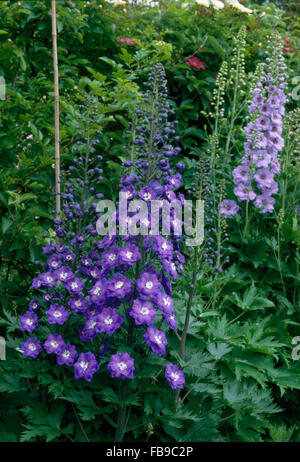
[255, 178]
[119, 286]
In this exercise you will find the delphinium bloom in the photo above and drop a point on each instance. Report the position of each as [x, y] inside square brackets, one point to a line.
[228, 208]
[32, 347]
[255, 178]
[54, 344]
[115, 286]
[142, 312]
[28, 321]
[175, 376]
[121, 365]
[85, 366]
[57, 314]
[67, 355]
[156, 339]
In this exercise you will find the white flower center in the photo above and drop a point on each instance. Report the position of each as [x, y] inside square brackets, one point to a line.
[119, 285]
[149, 284]
[147, 196]
[144, 310]
[66, 354]
[49, 278]
[129, 255]
[108, 320]
[74, 285]
[92, 325]
[84, 365]
[158, 339]
[63, 275]
[54, 264]
[54, 344]
[122, 366]
[97, 291]
[112, 257]
[175, 376]
[164, 246]
[77, 303]
[166, 301]
[32, 347]
[57, 314]
[29, 322]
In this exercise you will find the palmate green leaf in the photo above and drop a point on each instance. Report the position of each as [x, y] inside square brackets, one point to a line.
[242, 369]
[257, 341]
[280, 433]
[250, 429]
[219, 349]
[33, 433]
[243, 396]
[203, 430]
[252, 299]
[45, 422]
[85, 404]
[10, 383]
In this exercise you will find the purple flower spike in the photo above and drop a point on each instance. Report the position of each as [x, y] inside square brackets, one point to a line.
[85, 366]
[31, 348]
[174, 376]
[156, 339]
[121, 365]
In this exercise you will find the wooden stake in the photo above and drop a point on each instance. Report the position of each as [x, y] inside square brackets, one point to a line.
[56, 110]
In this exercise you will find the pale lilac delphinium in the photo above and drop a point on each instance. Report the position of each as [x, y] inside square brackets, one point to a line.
[255, 179]
[228, 208]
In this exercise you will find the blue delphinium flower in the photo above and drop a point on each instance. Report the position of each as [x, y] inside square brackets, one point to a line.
[119, 284]
[255, 178]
